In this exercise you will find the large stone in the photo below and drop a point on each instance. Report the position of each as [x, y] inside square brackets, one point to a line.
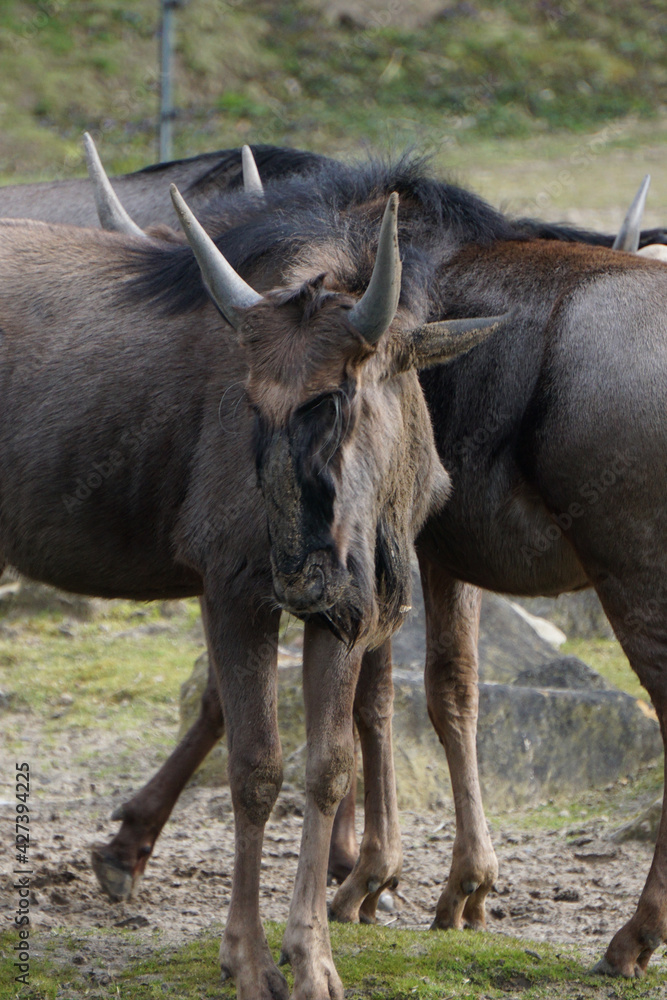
[18, 596]
[548, 724]
[643, 827]
[579, 615]
[533, 743]
[508, 644]
[563, 672]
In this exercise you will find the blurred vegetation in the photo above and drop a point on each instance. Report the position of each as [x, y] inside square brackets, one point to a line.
[321, 75]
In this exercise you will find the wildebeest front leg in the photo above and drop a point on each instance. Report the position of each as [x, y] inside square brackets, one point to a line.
[120, 864]
[243, 642]
[452, 696]
[381, 855]
[329, 682]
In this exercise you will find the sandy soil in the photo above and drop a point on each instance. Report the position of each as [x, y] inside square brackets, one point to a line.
[574, 890]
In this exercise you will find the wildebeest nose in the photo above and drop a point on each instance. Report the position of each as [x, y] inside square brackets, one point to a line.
[307, 590]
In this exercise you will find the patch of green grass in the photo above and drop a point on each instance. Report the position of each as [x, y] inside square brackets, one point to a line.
[375, 963]
[46, 976]
[110, 672]
[607, 657]
[619, 800]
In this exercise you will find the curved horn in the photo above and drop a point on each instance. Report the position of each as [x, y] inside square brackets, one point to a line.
[252, 182]
[227, 288]
[374, 312]
[628, 236]
[111, 213]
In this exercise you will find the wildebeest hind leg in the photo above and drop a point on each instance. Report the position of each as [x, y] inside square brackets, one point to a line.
[120, 864]
[452, 697]
[637, 609]
[381, 855]
[344, 848]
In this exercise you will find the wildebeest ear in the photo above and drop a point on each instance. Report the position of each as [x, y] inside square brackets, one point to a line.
[310, 289]
[437, 343]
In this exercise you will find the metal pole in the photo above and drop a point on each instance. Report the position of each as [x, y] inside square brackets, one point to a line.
[166, 105]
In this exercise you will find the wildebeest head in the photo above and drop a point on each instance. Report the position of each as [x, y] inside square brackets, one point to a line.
[345, 454]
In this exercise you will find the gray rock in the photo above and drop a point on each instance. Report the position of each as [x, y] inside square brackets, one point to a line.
[579, 615]
[532, 743]
[548, 725]
[643, 827]
[537, 743]
[507, 643]
[24, 596]
[563, 672]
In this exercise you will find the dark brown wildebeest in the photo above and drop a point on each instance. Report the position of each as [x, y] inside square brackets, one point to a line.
[562, 420]
[145, 193]
[201, 179]
[120, 478]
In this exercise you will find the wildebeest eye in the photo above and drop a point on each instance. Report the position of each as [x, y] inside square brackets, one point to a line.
[312, 405]
[317, 429]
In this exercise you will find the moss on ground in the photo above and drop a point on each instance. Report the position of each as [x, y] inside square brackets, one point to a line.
[375, 963]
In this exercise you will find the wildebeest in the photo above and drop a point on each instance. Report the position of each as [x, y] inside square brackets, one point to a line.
[145, 193]
[120, 477]
[572, 462]
[201, 179]
[456, 220]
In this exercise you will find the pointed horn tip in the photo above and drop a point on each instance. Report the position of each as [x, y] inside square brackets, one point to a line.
[182, 209]
[392, 204]
[177, 198]
[90, 149]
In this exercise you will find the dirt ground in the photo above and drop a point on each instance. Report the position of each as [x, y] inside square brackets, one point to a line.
[572, 887]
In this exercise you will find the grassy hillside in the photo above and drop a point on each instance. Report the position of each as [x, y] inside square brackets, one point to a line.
[332, 75]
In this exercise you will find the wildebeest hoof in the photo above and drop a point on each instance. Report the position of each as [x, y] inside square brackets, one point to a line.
[373, 885]
[117, 881]
[437, 926]
[605, 968]
[225, 974]
[467, 888]
[284, 959]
